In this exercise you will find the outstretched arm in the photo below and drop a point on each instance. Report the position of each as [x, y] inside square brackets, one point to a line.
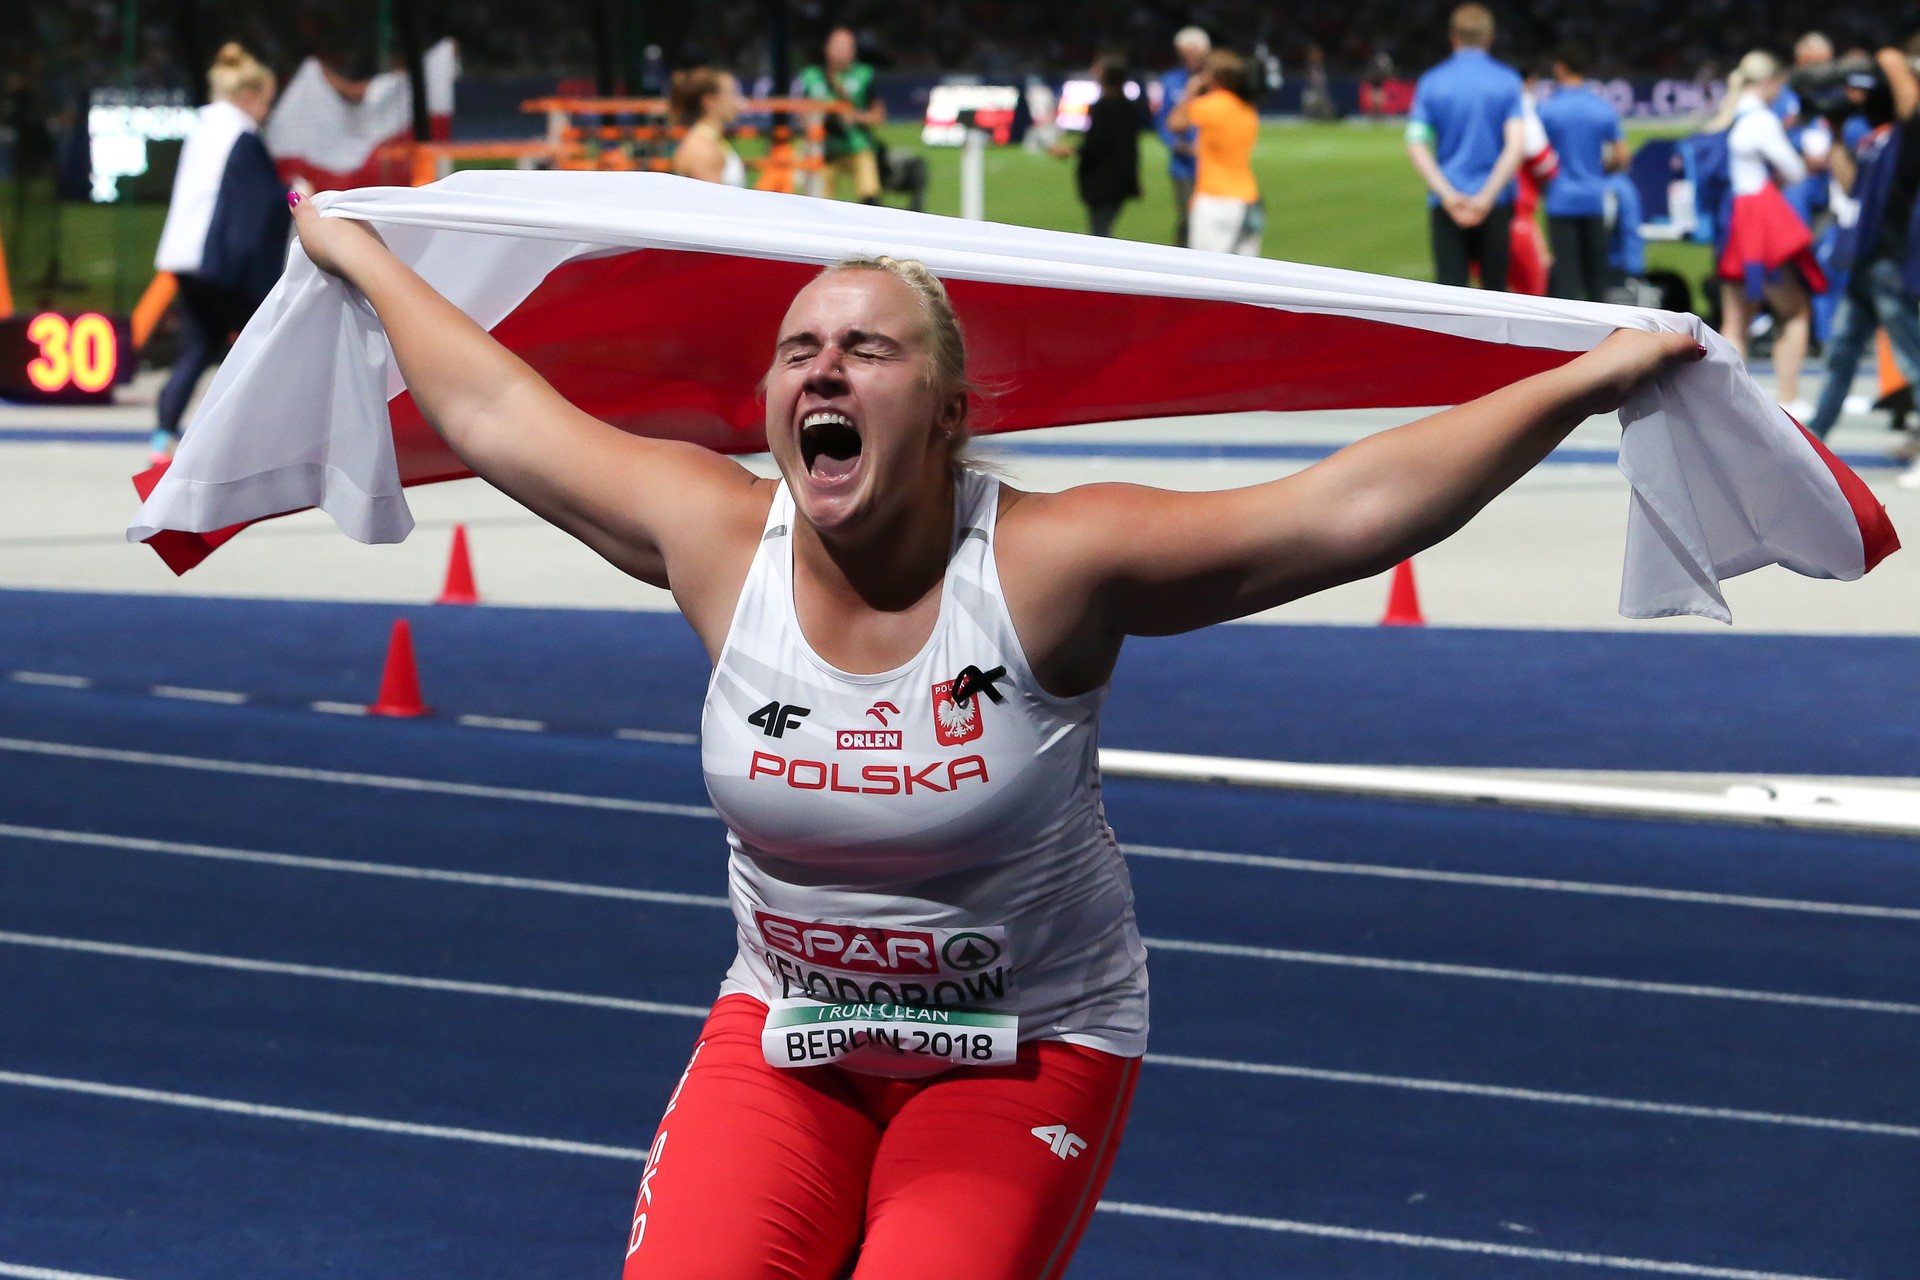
[643, 504]
[1141, 561]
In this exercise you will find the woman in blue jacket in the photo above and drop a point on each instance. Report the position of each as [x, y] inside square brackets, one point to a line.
[225, 238]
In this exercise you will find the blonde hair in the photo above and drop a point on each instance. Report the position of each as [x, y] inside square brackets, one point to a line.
[235, 71]
[946, 345]
[1757, 67]
[1472, 25]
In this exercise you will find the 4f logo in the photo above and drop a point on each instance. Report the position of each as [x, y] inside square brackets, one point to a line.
[776, 718]
[1059, 1141]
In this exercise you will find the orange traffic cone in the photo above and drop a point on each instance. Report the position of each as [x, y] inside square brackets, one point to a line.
[459, 588]
[1403, 600]
[400, 683]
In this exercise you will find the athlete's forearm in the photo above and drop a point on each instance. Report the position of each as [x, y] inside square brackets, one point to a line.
[1409, 487]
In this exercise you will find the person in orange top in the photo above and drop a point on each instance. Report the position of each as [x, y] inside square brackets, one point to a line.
[1227, 215]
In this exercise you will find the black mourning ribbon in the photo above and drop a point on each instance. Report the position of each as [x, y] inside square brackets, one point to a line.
[972, 680]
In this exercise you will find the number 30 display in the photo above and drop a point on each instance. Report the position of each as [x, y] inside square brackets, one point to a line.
[56, 357]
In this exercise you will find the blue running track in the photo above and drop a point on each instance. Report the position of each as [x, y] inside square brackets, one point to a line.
[290, 994]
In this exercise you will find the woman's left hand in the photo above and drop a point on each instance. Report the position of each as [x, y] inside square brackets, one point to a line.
[1627, 358]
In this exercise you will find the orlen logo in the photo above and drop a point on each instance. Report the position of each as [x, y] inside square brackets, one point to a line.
[954, 722]
[850, 948]
[866, 740]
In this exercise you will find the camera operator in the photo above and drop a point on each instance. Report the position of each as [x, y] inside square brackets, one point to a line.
[1883, 284]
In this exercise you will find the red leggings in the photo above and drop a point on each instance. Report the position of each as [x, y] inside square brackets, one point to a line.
[819, 1173]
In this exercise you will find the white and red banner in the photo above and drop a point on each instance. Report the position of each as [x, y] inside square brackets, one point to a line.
[652, 302]
[338, 143]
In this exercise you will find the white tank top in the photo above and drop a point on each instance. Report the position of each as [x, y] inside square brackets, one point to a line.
[890, 844]
[733, 170]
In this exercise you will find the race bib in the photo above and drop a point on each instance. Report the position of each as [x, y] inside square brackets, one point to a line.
[883, 999]
[887, 1039]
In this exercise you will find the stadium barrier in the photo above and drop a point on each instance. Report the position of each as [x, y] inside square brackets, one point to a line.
[626, 134]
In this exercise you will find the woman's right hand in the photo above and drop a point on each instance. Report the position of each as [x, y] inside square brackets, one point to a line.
[334, 244]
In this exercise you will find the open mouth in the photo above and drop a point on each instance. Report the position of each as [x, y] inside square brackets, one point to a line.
[829, 445]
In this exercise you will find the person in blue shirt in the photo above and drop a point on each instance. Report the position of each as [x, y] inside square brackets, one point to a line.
[1465, 136]
[1586, 134]
[1193, 45]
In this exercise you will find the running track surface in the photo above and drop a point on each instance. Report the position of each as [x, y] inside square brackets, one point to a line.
[431, 1030]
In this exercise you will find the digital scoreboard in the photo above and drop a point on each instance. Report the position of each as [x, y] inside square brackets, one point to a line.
[52, 357]
[991, 108]
[133, 142]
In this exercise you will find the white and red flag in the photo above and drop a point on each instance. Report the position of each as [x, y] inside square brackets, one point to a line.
[337, 142]
[652, 302]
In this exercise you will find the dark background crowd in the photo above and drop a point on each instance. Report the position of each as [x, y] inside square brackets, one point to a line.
[53, 48]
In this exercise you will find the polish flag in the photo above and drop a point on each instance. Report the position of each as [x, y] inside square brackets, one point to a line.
[652, 302]
[338, 143]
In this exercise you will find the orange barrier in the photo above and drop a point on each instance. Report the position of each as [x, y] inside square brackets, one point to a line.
[153, 304]
[431, 161]
[581, 136]
[6, 289]
[1891, 381]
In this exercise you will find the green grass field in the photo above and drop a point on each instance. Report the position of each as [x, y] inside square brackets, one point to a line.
[1338, 195]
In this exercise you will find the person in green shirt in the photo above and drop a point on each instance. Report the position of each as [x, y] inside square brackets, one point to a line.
[850, 142]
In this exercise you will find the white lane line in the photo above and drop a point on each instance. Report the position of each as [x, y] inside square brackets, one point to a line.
[373, 1124]
[1504, 1093]
[1276, 863]
[136, 844]
[1486, 1247]
[384, 781]
[18, 1272]
[1324, 1231]
[503, 722]
[658, 735]
[225, 697]
[1268, 861]
[1528, 975]
[284, 969]
[339, 708]
[1507, 1093]
[52, 681]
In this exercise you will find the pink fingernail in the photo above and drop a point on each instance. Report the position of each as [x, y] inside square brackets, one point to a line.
[293, 198]
[1701, 347]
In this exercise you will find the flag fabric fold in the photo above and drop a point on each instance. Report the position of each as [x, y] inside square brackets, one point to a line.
[652, 302]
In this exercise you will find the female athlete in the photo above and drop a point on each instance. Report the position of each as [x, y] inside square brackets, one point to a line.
[1767, 253]
[921, 1060]
[707, 102]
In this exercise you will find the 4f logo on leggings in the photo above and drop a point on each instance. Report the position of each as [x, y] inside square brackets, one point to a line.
[1063, 1144]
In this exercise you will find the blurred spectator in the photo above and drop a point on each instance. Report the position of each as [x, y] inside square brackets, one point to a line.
[850, 152]
[1465, 137]
[1587, 135]
[1769, 248]
[707, 101]
[1883, 281]
[1316, 98]
[1227, 215]
[225, 237]
[1108, 174]
[1191, 45]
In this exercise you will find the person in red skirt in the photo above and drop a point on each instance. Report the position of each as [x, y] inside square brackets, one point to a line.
[1768, 250]
[1539, 163]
